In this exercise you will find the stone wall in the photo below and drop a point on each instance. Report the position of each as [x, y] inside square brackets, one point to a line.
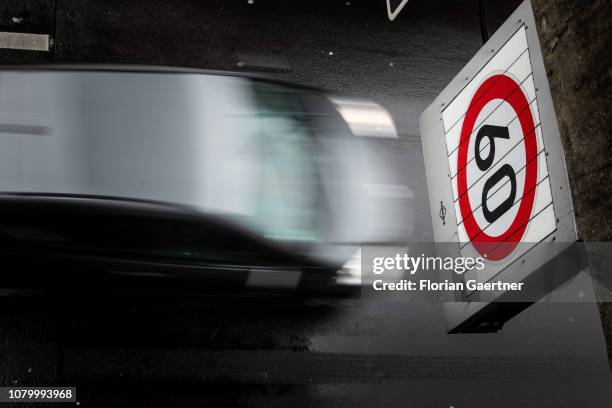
[576, 43]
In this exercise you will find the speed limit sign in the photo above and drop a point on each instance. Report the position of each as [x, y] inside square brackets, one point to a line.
[494, 163]
[497, 157]
[496, 166]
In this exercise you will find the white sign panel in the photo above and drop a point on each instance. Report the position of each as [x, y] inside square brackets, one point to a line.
[497, 158]
[494, 161]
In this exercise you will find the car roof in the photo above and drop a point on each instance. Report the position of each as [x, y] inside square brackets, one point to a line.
[160, 69]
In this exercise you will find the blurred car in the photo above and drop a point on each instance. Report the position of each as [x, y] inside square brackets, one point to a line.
[167, 172]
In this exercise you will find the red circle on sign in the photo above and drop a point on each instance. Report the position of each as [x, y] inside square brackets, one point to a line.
[505, 88]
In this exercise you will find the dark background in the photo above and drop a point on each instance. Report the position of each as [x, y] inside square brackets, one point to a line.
[167, 350]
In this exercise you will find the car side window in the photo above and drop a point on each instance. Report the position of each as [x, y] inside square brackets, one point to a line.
[288, 191]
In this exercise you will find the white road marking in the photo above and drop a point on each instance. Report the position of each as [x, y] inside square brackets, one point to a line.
[24, 41]
[393, 14]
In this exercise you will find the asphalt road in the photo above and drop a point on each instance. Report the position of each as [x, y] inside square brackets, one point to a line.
[167, 350]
